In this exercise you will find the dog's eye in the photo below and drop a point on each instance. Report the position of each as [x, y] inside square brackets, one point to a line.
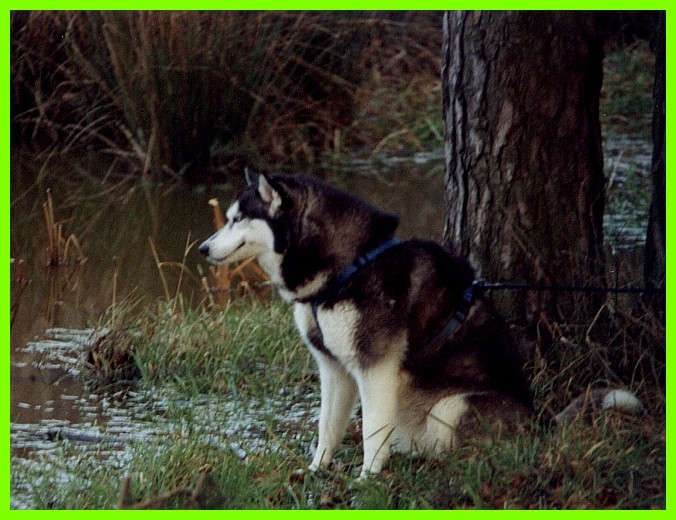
[236, 219]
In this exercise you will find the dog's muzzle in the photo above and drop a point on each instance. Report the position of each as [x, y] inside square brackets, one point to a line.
[208, 252]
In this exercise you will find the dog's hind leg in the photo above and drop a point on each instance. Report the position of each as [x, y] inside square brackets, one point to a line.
[378, 389]
[338, 394]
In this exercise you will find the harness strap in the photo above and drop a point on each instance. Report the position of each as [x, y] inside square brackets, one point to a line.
[348, 273]
[456, 320]
[437, 341]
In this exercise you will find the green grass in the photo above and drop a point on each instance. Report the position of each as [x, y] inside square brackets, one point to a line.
[627, 94]
[609, 464]
[249, 353]
[241, 350]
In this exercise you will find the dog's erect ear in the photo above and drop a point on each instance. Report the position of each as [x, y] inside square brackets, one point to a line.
[269, 195]
[266, 192]
[251, 178]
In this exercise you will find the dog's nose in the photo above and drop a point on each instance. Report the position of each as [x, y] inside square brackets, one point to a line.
[204, 249]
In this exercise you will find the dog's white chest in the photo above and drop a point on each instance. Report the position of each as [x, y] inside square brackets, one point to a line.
[338, 327]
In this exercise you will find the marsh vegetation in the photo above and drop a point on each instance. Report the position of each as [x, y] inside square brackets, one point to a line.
[161, 371]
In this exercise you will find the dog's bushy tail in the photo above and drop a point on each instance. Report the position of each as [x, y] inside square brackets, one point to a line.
[599, 400]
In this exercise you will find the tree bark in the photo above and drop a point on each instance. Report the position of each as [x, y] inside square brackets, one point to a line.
[655, 250]
[524, 164]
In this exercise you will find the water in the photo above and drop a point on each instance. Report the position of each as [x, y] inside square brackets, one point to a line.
[110, 427]
[57, 311]
[627, 163]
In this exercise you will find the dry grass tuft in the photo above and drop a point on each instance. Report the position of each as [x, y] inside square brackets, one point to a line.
[59, 249]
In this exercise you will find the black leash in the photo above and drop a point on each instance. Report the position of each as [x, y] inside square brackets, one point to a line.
[452, 326]
[454, 323]
[483, 284]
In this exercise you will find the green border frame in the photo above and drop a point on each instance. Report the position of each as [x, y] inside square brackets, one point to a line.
[300, 5]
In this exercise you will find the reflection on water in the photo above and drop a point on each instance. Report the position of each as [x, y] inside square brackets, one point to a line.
[45, 378]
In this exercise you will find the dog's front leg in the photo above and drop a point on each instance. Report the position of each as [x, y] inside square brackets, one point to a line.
[338, 394]
[378, 389]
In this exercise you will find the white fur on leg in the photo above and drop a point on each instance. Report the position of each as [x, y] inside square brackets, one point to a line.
[443, 419]
[378, 389]
[338, 394]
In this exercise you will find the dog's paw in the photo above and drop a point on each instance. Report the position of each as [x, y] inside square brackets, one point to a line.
[366, 475]
[298, 475]
[317, 465]
[319, 462]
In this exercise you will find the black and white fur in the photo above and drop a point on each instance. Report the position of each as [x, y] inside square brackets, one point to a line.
[371, 335]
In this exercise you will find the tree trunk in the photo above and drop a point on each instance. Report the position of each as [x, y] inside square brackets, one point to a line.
[524, 164]
[655, 249]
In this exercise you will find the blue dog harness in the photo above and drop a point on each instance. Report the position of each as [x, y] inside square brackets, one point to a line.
[456, 320]
[437, 341]
[348, 273]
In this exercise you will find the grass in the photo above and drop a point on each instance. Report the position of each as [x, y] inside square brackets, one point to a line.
[568, 470]
[627, 93]
[248, 353]
[59, 246]
[232, 351]
[267, 89]
[601, 466]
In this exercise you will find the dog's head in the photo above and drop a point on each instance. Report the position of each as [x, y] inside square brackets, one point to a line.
[302, 230]
[248, 231]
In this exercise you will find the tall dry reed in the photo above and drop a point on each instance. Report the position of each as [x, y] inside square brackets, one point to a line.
[177, 93]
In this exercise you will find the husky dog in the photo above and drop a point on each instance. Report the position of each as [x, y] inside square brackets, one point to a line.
[398, 324]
